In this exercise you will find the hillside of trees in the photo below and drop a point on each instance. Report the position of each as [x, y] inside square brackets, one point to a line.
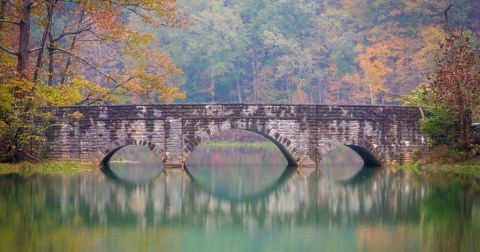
[310, 51]
[250, 51]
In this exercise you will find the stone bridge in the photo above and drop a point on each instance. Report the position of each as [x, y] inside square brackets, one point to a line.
[304, 133]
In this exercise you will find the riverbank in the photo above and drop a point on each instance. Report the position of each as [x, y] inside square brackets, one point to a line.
[445, 161]
[47, 167]
[470, 168]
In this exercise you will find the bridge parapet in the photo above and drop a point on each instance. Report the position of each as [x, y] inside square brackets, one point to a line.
[304, 133]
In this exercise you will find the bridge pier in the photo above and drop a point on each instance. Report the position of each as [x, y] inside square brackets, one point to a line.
[174, 166]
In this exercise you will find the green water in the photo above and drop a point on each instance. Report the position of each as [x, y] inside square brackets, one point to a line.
[238, 200]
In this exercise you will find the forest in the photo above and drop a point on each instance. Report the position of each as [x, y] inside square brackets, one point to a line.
[249, 51]
[87, 52]
[310, 51]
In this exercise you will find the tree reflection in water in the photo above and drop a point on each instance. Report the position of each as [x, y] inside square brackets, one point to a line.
[371, 210]
[387, 205]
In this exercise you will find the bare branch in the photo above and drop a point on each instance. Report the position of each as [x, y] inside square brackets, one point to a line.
[9, 21]
[86, 62]
[34, 49]
[89, 40]
[142, 16]
[120, 85]
[132, 7]
[89, 101]
[12, 52]
[33, 5]
[447, 21]
[64, 34]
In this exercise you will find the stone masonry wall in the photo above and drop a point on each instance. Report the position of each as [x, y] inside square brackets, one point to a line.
[304, 133]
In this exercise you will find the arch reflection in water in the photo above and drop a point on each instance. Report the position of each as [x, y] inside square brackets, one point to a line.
[237, 165]
[133, 165]
[344, 165]
[94, 214]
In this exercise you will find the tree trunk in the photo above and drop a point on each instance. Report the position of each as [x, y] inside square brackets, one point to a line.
[320, 95]
[254, 69]
[51, 51]
[310, 93]
[72, 47]
[38, 65]
[239, 90]
[289, 89]
[3, 11]
[24, 40]
[212, 91]
[50, 67]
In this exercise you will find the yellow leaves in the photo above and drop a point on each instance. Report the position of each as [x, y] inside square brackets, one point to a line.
[7, 62]
[92, 91]
[78, 90]
[155, 76]
[135, 40]
[10, 89]
[432, 36]
[150, 85]
[62, 95]
[387, 65]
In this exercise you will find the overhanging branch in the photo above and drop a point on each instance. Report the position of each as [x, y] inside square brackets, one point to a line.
[9, 21]
[86, 62]
[10, 51]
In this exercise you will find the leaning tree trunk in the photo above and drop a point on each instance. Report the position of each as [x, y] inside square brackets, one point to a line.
[72, 47]
[38, 65]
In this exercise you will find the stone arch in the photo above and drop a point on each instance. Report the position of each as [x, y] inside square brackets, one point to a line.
[115, 146]
[285, 145]
[370, 154]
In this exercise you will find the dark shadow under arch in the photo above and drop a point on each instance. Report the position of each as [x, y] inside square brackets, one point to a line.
[109, 155]
[290, 159]
[367, 155]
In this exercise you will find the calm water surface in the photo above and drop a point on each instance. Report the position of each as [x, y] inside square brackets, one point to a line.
[237, 199]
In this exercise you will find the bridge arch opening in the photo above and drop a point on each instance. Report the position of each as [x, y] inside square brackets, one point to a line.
[237, 164]
[367, 154]
[345, 162]
[283, 144]
[132, 164]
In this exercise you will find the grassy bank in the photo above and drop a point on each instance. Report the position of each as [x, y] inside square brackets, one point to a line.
[443, 160]
[470, 168]
[46, 167]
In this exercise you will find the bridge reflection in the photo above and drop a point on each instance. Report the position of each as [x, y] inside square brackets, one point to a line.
[381, 208]
[173, 197]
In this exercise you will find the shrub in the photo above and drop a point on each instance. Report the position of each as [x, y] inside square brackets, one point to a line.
[440, 128]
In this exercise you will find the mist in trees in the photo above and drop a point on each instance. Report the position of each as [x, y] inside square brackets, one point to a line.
[310, 51]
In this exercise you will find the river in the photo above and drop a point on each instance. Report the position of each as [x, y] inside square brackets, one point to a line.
[238, 199]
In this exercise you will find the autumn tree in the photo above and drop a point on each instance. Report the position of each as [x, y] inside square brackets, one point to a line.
[452, 93]
[57, 53]
[456, 82]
